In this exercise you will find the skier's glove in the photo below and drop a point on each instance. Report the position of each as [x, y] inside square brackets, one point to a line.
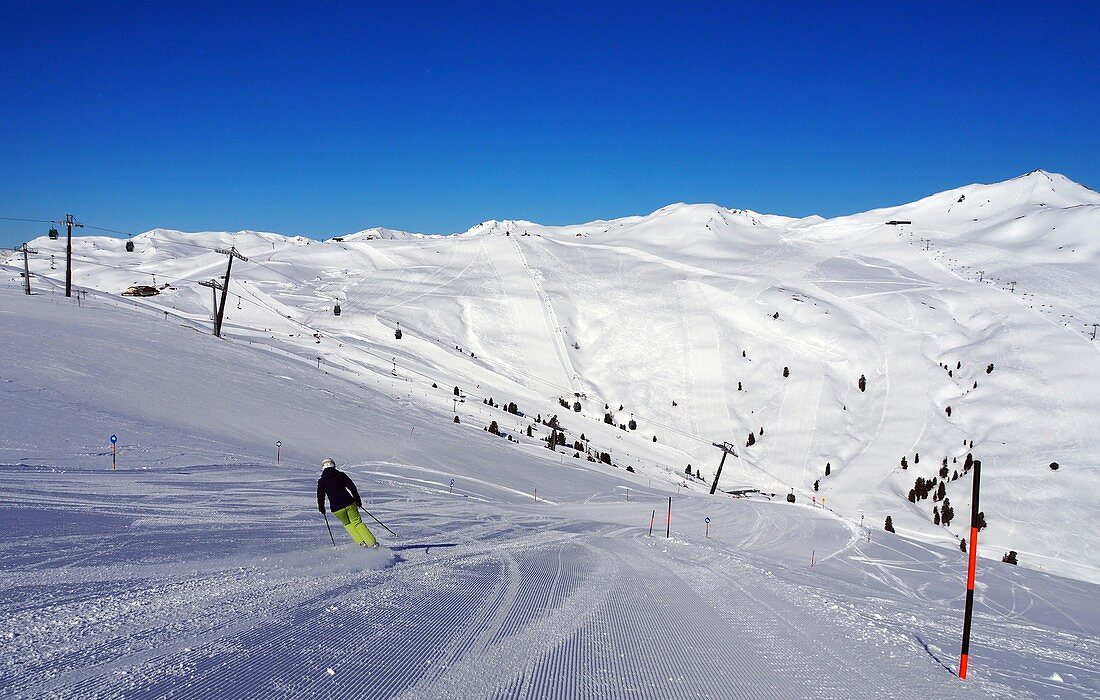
[358, 504]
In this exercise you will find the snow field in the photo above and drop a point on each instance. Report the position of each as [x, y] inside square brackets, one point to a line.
[201, 569]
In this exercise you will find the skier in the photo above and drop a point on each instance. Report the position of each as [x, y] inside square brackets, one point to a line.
[344, 505]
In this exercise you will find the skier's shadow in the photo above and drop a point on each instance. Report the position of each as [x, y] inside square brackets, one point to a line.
[426, 546]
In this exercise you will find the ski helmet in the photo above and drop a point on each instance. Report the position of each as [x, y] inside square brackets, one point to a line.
[328, 462]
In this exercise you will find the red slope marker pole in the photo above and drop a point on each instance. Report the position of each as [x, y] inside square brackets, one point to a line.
[652, 517]
[970, 573]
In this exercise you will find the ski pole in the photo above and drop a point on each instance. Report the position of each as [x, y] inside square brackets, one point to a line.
[380, 523]
[329, 528]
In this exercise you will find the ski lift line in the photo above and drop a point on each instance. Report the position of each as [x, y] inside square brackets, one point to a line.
[109, 230]
[254, 301]
[33, 221]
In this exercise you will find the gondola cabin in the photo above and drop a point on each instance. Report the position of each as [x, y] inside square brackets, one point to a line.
[53, 234]
[336, 310]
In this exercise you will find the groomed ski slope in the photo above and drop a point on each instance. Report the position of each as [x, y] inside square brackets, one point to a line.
[201, 569]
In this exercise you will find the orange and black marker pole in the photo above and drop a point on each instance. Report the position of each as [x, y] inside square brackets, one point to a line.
[668, 525]
[970, 572]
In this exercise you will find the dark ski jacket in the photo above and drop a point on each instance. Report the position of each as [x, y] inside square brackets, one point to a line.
[336, 484]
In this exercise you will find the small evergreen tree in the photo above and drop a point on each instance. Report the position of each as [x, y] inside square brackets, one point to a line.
[493, 428]
[786, 372]
[989, 369]
[609, 419]
[904, 463]
[828, 468]
[948, 411]
[862, 383]
[980, 522]
[889, 527]
[916, 458]
[817, 485]
[577, 406]
[947, 513]
[457, 392]
[1009, 557]
[1054, 466]
[935, 515]
[457, 420]
[962, 545]
[751, 441]
[688, 470]
[530, 432]
[654, 438]
[739, 386]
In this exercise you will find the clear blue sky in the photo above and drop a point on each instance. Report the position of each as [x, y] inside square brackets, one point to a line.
[324, 118]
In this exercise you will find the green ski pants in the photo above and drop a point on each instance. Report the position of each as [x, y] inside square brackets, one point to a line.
[354, 525]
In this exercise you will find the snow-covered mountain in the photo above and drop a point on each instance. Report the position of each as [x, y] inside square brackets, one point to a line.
[200, 567]
[689, 318]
